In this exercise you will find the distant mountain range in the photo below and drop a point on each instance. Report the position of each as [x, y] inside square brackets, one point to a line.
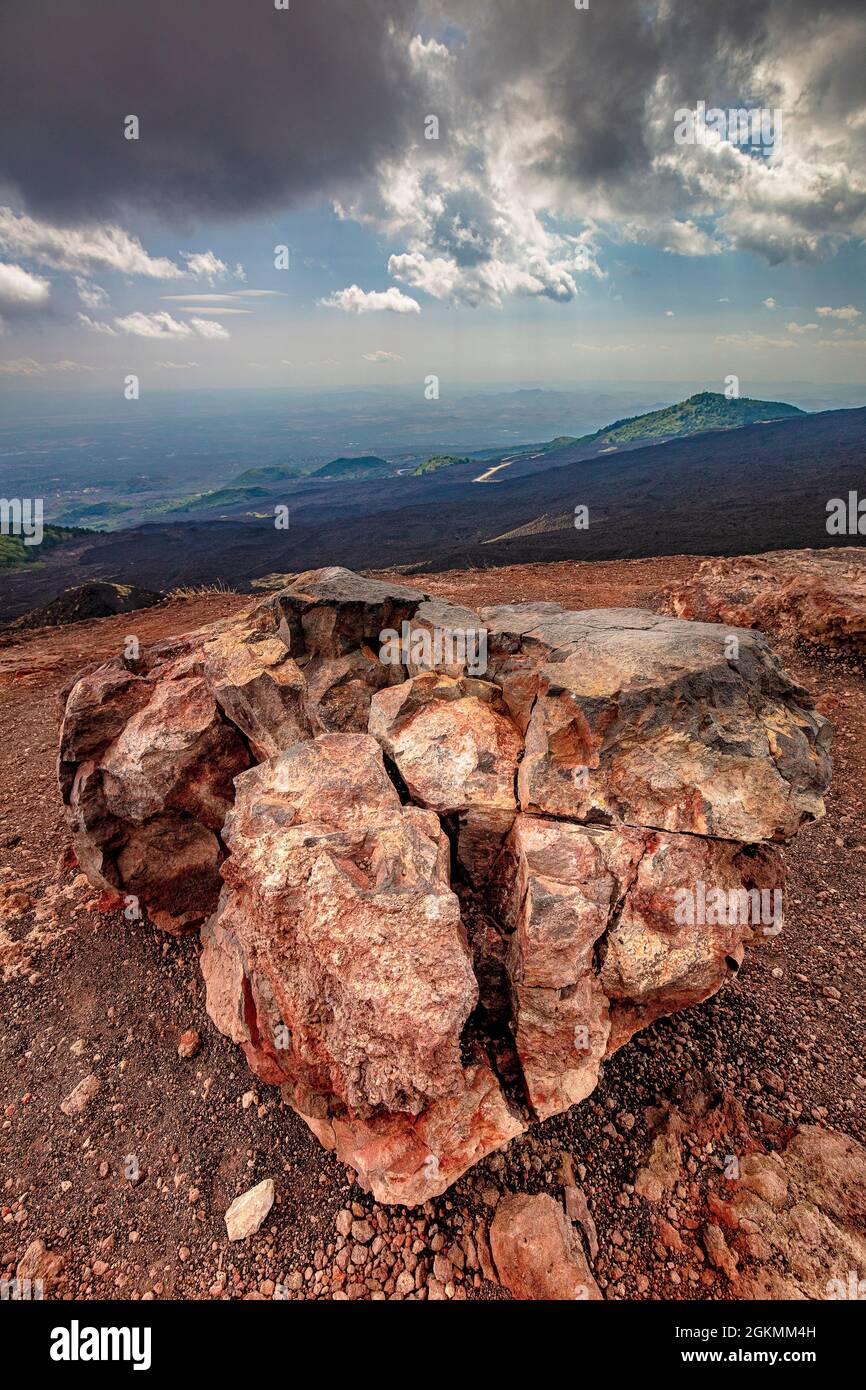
[723, 491]
[252, 492]
[708, 410]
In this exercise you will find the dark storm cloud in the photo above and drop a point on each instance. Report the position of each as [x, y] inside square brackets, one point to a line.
[599, 66]
[242, 107]
[544, 109]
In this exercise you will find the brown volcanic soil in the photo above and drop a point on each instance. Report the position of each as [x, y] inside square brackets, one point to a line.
[84, 991]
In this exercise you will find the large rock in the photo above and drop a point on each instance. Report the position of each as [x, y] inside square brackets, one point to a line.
[330, 612]
[151, 743]
[816, 595]
[258, 687]
[350, 637]
[340, 901]
[436, 896]
[339, 962]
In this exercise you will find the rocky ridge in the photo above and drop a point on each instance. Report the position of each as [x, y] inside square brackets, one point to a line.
[818, 596]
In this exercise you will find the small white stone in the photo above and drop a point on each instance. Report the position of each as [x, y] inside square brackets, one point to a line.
[247, 1212]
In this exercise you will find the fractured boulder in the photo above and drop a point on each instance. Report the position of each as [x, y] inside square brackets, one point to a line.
[435, 897]
[340, 900]
[339, 962]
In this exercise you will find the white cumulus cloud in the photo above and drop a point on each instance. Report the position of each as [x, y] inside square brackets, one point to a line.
[158, 325]
[20, 289]
[81, 249]
[161, 325]
[354, 300]
[208, 266]
[97, 325]
[208, 328]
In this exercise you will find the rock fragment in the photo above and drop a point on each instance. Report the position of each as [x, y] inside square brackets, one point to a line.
[247, 1212]
[81, 1095]
[537, 1254]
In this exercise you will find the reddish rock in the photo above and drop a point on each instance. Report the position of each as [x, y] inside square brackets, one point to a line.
[339, 900]
[816, 595]
[404, 1159]
[406, 1036]
[451, 740]
[189, 1043]
[659, 1176]
[39, 1269]
[798, 1219]
[673, 944]
[81, 1095]
[717, 1250]
[537, 1254]
[561, 888]
[258, 687]
[577, 1211]
[146, 804]
[456, 749]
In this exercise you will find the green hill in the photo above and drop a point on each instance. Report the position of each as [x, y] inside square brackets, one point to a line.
[222, 497]
[367, 466]
[270, 473]
[432, 465]
[708, 410]
[14, 553]
[92, 512]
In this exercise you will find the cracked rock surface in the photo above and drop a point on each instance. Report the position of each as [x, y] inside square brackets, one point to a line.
[435, 900]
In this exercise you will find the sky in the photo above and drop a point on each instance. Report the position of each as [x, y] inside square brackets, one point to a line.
[372, 192]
